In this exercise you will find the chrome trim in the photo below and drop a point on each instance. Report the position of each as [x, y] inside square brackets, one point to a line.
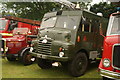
[109, 74]
[104, 60]
[112, 56]
[44, 48]
[5, 47]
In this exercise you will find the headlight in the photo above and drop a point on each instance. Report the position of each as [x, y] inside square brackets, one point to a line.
[61, 54]
[106, 62]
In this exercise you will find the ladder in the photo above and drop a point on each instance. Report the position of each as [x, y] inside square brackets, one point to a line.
[29, 21]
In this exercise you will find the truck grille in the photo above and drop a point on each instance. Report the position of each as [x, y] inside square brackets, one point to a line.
[116, 56]
[44, 48]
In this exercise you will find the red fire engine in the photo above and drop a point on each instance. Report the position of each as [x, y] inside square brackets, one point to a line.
[8, 23]
[17, 46]
[110, 63]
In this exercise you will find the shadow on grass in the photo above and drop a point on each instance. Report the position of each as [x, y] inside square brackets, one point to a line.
[54, 72]
[63, 71]
[15, 63]
[93, 66]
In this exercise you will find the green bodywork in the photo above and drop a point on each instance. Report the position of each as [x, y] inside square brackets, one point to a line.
[66, 30]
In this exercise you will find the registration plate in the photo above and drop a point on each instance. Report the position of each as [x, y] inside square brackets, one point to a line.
[41, 56]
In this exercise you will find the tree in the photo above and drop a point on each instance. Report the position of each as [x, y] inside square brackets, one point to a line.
[104, 8]
[30, 10]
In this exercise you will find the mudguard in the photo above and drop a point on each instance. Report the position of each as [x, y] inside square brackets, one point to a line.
[23, 50]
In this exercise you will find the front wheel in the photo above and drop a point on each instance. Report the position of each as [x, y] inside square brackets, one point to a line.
[27, 59]
[44, 64]
[11, 59]
[78, 65]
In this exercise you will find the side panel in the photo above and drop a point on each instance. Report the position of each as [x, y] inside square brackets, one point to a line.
[89, 34]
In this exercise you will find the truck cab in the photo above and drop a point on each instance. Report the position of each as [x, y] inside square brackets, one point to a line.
[4, 24]
[16, 46]
[110, 63]
[71, 37]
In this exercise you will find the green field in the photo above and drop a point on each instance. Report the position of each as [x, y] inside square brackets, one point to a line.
[17, 70]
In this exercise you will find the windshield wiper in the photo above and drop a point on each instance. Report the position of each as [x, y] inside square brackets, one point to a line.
[47, 19]
[46, 28]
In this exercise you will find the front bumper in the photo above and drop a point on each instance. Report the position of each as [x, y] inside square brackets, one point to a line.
[109, 74]
[56, 58]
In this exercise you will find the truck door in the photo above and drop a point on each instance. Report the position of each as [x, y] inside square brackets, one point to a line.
[86, 34]
[99, 38]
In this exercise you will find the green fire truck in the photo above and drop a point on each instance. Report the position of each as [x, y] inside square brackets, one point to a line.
[72, 38]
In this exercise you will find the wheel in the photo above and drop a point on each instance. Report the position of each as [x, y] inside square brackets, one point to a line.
[26, 58]
[11, 59]
[78, 65]
[44, 64]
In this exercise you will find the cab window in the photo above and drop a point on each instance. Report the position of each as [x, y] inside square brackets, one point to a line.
[85, 25]
[12, 25]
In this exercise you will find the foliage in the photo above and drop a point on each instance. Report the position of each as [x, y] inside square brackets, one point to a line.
[36, 10]
[104, 8]
[33, 10]
[30, 10]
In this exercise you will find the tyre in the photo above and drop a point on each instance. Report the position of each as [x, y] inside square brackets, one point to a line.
[26, 58]
[11, 59]
[44, 64]
[78, 65]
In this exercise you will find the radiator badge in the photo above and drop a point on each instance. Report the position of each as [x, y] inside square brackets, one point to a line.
[45, 40]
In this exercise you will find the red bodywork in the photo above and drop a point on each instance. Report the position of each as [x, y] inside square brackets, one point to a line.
[21, 23]
[15, 40]
[109, 42]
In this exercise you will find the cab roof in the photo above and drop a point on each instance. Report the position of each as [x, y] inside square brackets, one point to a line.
[70, 13]
[114, 14]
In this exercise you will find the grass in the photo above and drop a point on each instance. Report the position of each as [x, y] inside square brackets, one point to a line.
[17, 70]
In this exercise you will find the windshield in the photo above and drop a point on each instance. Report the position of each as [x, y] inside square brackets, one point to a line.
[115, 25]
[3, 24]
[69, 22]
[20, 31]
[48, 22]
